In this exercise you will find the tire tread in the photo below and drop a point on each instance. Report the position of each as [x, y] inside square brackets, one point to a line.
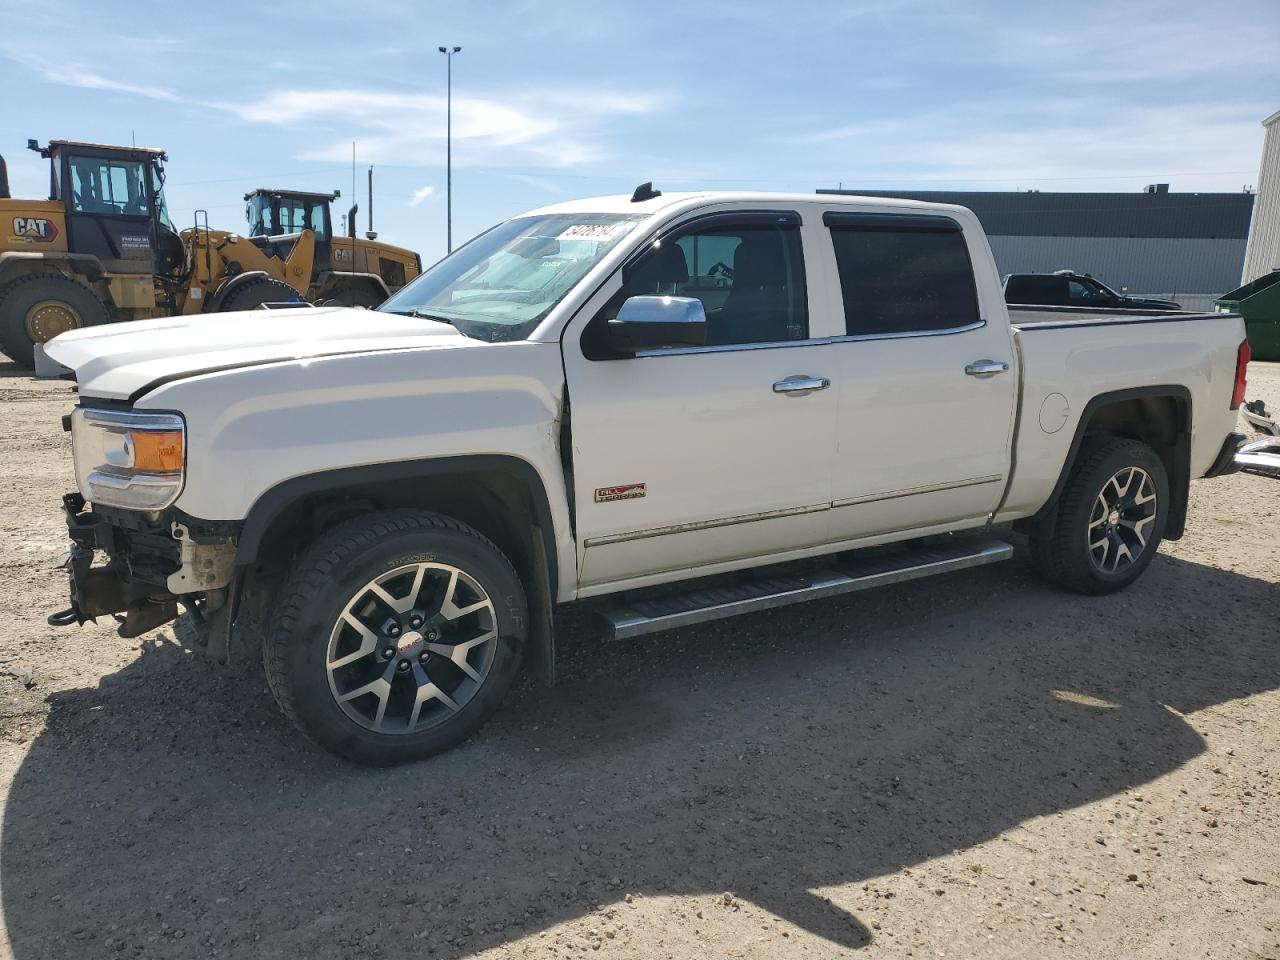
[313, 570]
[12, 338]
[1053, 552]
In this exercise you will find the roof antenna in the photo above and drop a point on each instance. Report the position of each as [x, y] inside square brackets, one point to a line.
[645, 192]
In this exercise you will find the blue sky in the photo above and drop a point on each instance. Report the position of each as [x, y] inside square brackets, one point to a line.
[570, 98]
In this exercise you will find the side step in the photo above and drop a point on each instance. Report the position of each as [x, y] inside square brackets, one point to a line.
[636, 616]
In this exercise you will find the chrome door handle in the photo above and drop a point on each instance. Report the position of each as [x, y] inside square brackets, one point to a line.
[801, 385]
[986, 368]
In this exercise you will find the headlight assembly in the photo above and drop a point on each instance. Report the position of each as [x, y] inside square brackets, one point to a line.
[128, 459]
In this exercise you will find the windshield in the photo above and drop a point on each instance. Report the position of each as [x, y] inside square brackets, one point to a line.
[504, 282]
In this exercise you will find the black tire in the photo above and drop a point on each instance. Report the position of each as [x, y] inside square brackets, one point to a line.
[256, 292]
[1062, 550]
[30, 302]
[328, 581]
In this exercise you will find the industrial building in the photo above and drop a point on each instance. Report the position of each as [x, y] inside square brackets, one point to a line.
[1188, 247]
[1264, 237]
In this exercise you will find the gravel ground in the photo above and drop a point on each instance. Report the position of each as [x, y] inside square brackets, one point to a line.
[973, 766]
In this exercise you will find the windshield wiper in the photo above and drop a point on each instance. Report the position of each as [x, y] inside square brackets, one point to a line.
[420, 315]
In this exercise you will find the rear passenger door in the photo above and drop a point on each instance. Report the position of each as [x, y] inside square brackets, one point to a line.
[927, 388]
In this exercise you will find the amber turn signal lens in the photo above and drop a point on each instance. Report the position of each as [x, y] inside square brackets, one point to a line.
[158, 451]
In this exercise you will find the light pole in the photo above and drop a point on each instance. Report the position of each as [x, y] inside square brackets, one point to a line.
[448, 146]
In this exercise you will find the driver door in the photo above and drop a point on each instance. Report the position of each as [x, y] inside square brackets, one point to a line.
[109, 212]
[703, 457]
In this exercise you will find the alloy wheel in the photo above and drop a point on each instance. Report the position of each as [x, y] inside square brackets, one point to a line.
[411, 648]
[1121, 520]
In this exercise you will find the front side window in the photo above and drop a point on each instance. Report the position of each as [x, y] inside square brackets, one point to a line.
[503, 283]
[1082, 292]
[261, 217]
[316, 218]
[110, 187]
[749, 276]
[900, 279]
[157, 190]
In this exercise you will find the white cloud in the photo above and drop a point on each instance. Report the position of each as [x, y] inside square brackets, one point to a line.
[86, 78]
[73, 75]
[1067, 144]
[421, 194]
[562, 128]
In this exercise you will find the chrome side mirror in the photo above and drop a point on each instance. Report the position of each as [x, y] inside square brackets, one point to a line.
[649, 323]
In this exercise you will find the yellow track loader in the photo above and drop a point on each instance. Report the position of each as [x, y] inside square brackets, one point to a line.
[102, 248]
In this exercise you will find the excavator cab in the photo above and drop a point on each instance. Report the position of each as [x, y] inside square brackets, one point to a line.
[114, 205]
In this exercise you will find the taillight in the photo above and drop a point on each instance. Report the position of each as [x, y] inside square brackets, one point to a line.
[1243, 356]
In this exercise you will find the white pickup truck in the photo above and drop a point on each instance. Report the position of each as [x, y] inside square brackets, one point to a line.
[669, 407]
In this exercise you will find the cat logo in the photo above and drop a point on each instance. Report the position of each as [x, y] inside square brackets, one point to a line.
[34, 229]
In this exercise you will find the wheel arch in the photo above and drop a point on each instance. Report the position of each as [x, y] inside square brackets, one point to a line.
[330, 281]
[82, 268]
[501, 496]
[1159, 416]
[240, 282]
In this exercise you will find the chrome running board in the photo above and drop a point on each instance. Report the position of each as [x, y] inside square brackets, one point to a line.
[639, 612]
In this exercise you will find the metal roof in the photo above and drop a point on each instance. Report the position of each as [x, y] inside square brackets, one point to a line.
[1033, 214]
[156, 151]
[293, 193]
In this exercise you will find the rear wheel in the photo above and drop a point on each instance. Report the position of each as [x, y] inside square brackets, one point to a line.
[1110, 520]
[396, 636]
[254, 293]
[36, 308]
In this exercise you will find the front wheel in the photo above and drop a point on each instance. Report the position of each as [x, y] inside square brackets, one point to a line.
[1110, 519]
[36, 308]
[396, 636]
[258, 291]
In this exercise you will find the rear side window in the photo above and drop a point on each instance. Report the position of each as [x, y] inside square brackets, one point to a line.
[902, 274]
[1032, 289]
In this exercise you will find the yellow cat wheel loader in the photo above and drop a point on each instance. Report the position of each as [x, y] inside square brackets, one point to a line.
[346, 270]
[102, 248]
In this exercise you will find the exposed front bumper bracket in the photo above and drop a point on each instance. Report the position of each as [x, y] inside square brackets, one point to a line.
[106, 590]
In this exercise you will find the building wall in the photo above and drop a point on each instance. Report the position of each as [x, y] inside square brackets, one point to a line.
[1187, 246]
[1264, 234]
[1151, 266]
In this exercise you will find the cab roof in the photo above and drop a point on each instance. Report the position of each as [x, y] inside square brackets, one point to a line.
[291, 193]
[56, 146]
[623, 204]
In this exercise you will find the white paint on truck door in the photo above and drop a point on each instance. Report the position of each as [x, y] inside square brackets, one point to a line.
[734, 461]
[927, 381]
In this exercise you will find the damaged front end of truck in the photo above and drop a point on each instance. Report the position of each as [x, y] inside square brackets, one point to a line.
[133, 556]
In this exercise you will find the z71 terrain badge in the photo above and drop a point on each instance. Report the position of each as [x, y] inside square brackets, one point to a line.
[628, 491]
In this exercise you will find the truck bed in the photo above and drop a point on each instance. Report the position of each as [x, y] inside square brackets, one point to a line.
[1030, 316]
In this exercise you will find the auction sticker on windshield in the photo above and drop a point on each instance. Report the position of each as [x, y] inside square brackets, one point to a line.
[600, 232]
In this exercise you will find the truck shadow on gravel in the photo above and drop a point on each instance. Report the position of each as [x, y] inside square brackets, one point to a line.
[171, 812]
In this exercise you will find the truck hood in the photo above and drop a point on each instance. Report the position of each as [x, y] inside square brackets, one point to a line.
[121, 360]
